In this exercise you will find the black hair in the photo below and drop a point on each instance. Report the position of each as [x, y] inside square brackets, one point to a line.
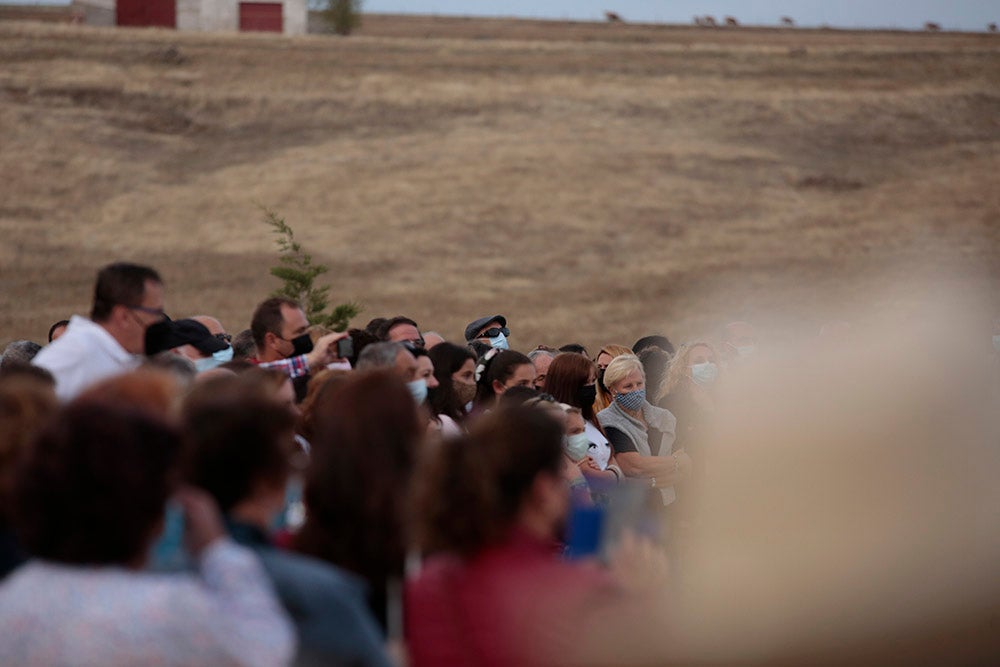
[479, 348]
[268, 318]
[496, 365]
[387, 325]
[447, 358]
[52, 329]
[361, 338]
[374, 325]
[120, 284]
[655, 340]
[519, 395]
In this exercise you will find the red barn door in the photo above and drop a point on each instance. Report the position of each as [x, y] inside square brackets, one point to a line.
[261, 16]
[159, 13]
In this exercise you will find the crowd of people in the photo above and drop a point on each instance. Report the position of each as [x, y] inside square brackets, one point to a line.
[178, 494]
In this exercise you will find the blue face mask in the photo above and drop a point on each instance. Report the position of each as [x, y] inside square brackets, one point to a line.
[746, 350]
[217, 358]
[577, 446]
[996, 343]
[292, 515]
[418, 389]
[500, 342]
[704, 373]
[633, 400]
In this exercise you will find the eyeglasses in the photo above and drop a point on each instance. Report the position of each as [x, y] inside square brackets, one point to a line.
[224, 337]
[159, 312]
[493, 332]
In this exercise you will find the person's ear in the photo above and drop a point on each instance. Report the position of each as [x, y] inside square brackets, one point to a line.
[119, 314]
[270, 341]
[498, 387]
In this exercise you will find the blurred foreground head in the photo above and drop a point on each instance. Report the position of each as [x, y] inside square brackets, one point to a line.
[849, 508]
[474, 490]
[92, 488]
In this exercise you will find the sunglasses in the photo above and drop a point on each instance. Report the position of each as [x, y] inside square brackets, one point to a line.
[413, 345]
[224, 337]
[493, 332]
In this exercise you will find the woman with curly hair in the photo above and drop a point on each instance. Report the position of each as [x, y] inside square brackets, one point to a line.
[688, 392]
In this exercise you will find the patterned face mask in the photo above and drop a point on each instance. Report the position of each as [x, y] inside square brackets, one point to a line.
[633, 400]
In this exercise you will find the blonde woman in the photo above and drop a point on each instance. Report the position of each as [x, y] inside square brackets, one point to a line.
[604, 357]
[642, 435]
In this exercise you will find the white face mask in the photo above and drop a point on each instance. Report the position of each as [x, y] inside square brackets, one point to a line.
[704, 373]
[418, 389]
[500, 342]
[576, 446]
[217, 359]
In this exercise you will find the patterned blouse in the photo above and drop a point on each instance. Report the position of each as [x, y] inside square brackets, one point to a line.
[226, 614]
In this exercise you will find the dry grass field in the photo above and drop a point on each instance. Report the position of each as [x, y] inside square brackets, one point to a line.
[592, 182]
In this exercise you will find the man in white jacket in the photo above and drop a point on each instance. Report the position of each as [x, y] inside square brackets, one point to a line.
[128, 299]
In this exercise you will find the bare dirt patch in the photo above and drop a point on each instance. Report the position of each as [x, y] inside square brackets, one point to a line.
[591, 182]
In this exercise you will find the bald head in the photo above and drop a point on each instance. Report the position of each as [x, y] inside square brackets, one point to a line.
[213, 325]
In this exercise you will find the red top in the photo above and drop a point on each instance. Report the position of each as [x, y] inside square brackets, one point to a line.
[512, 605]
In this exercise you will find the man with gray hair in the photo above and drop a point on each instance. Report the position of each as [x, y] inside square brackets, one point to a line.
[19, 352]
[542, 358]
[397, 357]
[388, 355]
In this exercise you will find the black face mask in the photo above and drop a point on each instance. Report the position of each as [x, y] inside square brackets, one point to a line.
[586, 395]
[301, 345]
[600, 380]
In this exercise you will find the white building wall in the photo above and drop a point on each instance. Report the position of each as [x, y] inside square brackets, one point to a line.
[220, 15]
[95, 12]
[189, 14]
[296, 17]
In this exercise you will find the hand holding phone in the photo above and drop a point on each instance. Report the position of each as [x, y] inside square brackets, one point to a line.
[345, 348]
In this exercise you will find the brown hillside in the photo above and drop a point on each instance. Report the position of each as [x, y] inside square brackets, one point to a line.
[592, 182]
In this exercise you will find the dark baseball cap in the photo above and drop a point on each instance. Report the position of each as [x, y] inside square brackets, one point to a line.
[474, 327]
[174, 333]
